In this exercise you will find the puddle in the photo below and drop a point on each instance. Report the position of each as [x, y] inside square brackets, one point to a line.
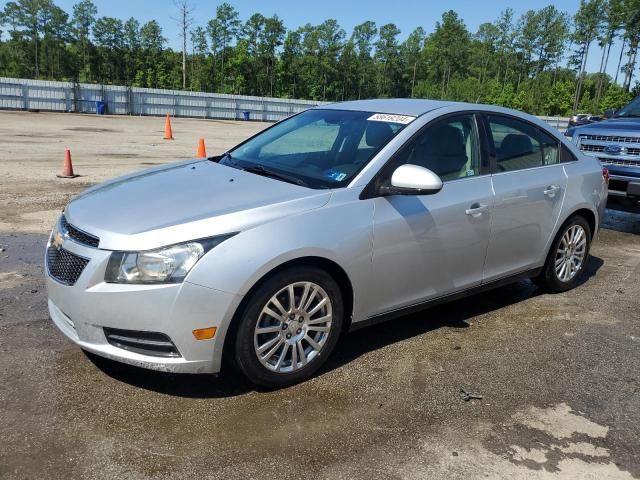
[90, 129]
[621, 221]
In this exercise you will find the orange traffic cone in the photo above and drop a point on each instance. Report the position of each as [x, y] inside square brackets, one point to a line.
[202, 151]
[168, 134]
[67, 168]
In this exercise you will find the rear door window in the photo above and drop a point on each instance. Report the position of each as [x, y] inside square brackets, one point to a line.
[520, 145]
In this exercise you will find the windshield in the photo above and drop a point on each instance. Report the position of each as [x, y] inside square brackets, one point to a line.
[317, 148]
[630, 110]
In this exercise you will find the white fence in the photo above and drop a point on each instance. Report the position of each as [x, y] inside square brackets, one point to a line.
[22, 94]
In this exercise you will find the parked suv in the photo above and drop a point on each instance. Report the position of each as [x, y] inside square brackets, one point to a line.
[336, 218]
[616, 143]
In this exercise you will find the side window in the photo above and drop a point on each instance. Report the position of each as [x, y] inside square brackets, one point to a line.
[550, 152]
[520, 145]
[566, 155]
[449, 148]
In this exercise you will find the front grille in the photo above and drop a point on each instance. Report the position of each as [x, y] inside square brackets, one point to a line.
[620, 162]
[585, 147]
[65, 266]
[78, 235]
[145, 343]
[611, 138]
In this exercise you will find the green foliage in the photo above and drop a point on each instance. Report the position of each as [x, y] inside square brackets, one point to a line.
[514, 62]
[615, 98]
[560, 98]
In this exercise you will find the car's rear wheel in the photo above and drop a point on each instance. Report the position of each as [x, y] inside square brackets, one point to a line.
[289, 327]
[568, 256]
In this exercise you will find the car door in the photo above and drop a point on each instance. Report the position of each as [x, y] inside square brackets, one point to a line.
[529, 184]
[427, 246]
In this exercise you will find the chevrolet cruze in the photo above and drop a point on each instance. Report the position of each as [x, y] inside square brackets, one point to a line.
[333, 219]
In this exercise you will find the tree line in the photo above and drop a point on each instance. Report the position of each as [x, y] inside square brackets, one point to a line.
[535, 62]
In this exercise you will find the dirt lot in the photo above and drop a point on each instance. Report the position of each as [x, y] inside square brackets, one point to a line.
[559, 374]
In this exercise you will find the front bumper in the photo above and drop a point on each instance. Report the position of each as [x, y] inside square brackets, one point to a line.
[624, 182]
[83, 310]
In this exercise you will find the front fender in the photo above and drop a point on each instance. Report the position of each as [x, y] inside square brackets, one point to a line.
[340, 232]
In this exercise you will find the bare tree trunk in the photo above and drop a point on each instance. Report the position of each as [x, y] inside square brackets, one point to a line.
[603, 69]
[506, 76]
[270, 75]
[324, 89]
[184, 20]
[633, 55]
[413, 80]
[224, 45]
[606, 60]
[596, 100]
[184, 62]
[193, 59]
[581, 76]
[35, 36]
[624, 41]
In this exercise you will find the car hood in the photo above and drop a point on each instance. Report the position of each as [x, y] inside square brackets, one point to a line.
[184, 201]
[614, 124]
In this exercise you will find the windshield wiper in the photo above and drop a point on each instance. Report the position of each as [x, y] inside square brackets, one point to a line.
[226, 156]
[260, 170]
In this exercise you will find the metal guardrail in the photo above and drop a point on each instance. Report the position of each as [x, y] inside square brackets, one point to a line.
[561, 123]
[24, 94]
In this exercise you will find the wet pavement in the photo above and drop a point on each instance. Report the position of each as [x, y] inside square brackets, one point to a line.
[559, 375]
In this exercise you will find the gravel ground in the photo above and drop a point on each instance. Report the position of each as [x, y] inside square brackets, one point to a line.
[559, 374]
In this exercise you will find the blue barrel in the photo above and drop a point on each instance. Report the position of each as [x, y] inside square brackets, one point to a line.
[246, 116]
[101, 108]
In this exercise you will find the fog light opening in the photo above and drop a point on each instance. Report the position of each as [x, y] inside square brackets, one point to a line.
[205, 333]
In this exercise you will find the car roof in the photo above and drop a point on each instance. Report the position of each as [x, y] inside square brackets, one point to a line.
[397, 106]
[416, 107]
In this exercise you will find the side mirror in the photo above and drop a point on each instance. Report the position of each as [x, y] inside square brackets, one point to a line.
[413, 180]
[609, 113]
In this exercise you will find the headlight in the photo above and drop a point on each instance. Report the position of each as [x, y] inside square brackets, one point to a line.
[56, 238]
[164, 265]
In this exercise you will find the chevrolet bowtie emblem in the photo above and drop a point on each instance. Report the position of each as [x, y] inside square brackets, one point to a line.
[57, 240]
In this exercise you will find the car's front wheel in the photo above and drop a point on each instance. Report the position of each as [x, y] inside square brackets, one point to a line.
[568, 255]
[289, 327]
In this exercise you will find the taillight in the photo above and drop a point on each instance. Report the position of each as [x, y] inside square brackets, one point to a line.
[605, 175]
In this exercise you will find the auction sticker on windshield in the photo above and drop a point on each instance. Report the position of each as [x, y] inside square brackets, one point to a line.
[387, 117]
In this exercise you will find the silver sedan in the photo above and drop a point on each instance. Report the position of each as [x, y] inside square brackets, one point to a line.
[333, 219]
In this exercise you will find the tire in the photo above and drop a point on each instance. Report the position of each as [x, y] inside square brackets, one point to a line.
[553, 277]
[311, 327]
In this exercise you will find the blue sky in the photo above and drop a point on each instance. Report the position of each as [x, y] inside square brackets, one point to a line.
[406, 14]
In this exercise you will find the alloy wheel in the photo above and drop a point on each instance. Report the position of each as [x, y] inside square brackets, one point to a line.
[571, 253]
[293, 327]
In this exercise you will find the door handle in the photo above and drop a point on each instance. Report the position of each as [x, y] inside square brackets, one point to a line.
[551, 190]
[476, 209]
